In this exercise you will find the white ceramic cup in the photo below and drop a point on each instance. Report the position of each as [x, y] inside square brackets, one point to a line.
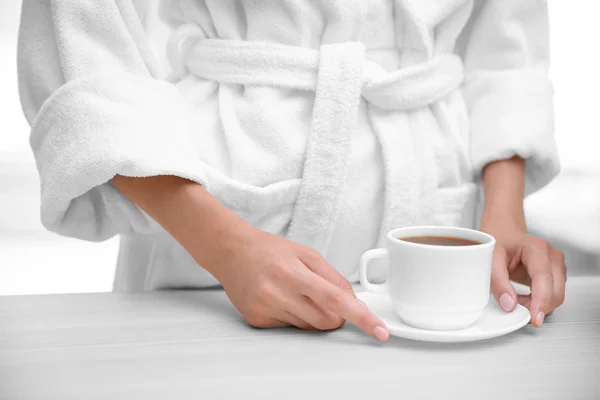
[431, 286]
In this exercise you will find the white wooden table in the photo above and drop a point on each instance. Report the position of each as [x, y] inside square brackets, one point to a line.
[193, 345]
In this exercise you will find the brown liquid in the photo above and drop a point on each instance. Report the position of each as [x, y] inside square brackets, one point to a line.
[440, 241]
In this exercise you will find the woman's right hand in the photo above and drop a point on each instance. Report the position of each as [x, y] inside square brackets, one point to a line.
[272, 281]
[275, 282]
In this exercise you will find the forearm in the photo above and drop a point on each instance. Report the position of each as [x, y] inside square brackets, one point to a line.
[504, 187]
[198, 221]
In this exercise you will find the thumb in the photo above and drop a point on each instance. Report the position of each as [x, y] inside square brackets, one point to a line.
[502, 289]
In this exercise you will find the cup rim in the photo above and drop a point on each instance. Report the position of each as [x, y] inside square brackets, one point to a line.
[490, 240]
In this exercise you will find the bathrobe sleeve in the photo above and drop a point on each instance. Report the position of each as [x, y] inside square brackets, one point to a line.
[88, 87]
[509, 95]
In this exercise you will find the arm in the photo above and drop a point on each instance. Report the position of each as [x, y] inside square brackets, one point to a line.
[114, 156]
[519, 256]
[88, 89]
[272, 281]
[509, 96]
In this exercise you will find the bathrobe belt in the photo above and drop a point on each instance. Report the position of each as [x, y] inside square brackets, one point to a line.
[340, 75]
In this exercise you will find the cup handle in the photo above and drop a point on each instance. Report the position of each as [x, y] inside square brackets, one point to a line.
[365, 261]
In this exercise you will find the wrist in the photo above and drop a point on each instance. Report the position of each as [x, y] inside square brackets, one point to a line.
[495, 221]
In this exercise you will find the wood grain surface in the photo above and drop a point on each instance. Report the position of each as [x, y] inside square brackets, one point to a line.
[194, 345]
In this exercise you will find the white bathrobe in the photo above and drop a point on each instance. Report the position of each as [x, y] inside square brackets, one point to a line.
[329, 122]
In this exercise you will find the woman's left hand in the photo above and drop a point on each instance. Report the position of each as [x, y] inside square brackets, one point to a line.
[519, 256]
[531, 261]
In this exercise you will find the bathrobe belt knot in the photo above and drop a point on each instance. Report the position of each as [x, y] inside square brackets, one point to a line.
[340, 75]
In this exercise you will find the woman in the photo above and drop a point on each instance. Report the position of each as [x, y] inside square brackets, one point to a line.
[273, 142]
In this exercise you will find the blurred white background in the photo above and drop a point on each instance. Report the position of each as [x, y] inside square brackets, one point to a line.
[567, 212]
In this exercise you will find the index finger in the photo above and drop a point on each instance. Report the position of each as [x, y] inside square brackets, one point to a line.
[537, 263]
[346, 305]
[316, 263]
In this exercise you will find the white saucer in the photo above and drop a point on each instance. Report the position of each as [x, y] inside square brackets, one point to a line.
[493, 323]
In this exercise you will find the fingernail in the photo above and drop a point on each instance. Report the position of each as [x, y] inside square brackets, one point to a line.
[540, 318]
[507, 302]
[381, 333]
